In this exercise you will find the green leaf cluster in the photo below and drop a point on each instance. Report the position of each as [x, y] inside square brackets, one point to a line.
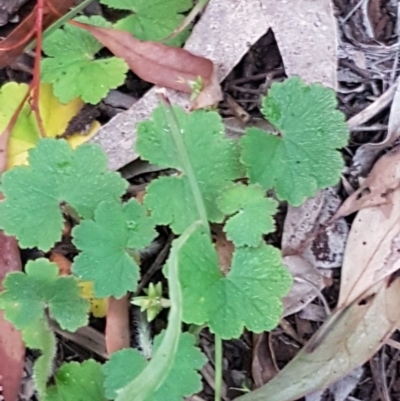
[215, 180]
[56, 174]
[257, 278]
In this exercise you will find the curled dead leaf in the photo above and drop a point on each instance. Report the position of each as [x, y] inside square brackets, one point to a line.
[263, 366]
[346, 340]
[378, 188]
[161, 65]
[373, 249]
[308, 282]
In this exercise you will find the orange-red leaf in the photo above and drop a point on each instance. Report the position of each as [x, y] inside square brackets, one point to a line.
[14, 44]
[12, 349]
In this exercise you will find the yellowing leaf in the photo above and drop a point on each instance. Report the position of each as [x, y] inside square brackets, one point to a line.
[98, 306]
[25, 134]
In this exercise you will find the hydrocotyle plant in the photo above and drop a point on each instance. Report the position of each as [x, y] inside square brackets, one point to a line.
[216, 181]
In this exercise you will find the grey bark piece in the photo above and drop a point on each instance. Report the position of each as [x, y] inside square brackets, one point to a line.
[306, 33]
[224, 34]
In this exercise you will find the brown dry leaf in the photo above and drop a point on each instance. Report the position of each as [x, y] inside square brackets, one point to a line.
[306, 232]
[14, 44]
[379, 187]
[117, 327]
[63, 263]
[224, 247]
[309, 244]
[373, 249]
[346, 340]
[162, 65]
[341, 389]
[263, 367]
[308, 281]
[12, 348]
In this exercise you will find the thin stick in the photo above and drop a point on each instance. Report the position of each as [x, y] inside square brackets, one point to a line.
[374, 108]
[35, 84]
[350, 14]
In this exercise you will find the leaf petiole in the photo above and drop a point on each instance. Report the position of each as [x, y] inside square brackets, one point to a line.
[186, 163]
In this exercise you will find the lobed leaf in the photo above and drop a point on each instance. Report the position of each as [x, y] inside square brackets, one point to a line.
[108, 244]
[249, 296]
[251, 214]
[56, 174]
[78, 381]
[72, 68]
[214, 160]
[152, 19]
[302, 157]
[182, 380]
[28, 294]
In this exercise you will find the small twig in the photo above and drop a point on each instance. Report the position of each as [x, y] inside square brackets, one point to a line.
[375, 127]
[350, 14]
[396, 59]
[157, 264]
[86, 337]
[208, 373]
[246, 90]
[359, 71]
[374, 108]
[257, 77]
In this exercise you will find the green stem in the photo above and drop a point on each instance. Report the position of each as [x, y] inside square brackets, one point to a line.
[60, 22]
[218, 367]
[154, 374]
[195, 11]
[184, 157]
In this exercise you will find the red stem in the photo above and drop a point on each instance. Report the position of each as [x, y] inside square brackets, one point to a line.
[35, 84]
